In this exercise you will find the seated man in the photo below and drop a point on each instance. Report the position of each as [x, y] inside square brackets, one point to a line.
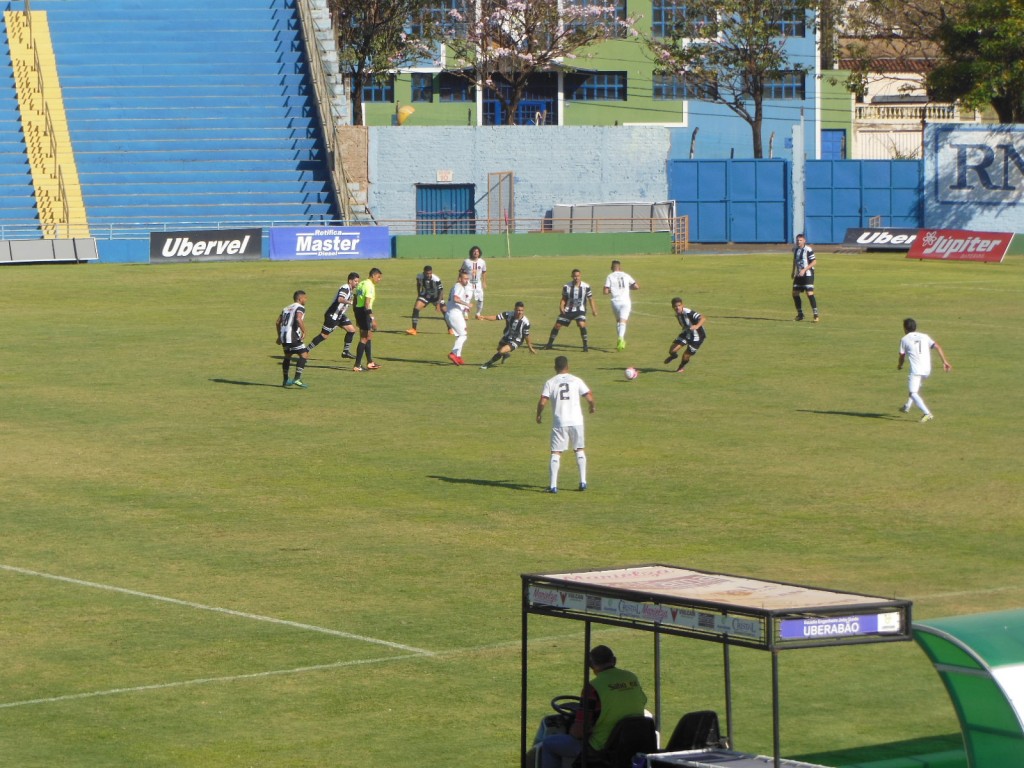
[611, 695]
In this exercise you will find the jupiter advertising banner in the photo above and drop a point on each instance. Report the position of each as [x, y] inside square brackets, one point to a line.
[960, 245]
[328, 242]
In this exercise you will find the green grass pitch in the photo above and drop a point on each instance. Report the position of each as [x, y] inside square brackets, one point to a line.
[199, 568]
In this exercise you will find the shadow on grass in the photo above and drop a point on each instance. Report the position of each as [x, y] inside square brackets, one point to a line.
[246, 383]
[757, 319]
[932, 745]
[856, 414]
[491, 483]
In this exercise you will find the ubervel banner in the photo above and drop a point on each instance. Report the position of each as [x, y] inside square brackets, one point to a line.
[880, 239]
[205, 245]
[960, 245]
[301, 243]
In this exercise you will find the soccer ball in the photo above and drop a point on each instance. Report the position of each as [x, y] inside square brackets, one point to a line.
[631, 373]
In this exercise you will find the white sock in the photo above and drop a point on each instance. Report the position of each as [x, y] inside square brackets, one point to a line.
[581, 462]
[621, 327]
[919, 402]
[556, 460]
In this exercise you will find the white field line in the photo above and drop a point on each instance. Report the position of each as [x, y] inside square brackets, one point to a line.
[206, 681]
[416, 653]
[215, 609]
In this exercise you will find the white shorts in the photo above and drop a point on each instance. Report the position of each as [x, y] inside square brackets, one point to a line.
[562, 437]
[914, 382]
[622, 309]
[457, 320]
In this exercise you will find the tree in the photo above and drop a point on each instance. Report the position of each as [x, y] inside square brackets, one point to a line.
[377, 36]
[498, 45]
[982, 44]
[728, 51]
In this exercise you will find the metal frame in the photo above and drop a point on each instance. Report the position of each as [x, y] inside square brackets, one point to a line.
[731, 610]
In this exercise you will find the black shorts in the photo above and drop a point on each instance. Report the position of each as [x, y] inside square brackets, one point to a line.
[692, 343]
[363, 319]
[332, 321]
[579, 315]
[804, 283]
[510, 343]
[424, 300]
[295, 349]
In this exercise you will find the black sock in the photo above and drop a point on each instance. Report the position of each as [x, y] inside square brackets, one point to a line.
[285, 365]
[349, 335]
[360, 349]
[415, 318]
[798, 304]
[551, 338]
[814, 303]
[584, 335]
[300, 366]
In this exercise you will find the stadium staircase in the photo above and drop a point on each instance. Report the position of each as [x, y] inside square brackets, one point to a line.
[181, 114]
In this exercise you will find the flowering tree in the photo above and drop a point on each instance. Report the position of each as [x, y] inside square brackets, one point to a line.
[729, 51]
[377, 36]
[499, 44]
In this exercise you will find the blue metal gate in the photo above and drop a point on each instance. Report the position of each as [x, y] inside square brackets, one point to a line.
[445, 209]
[849, 193]
[734, 201]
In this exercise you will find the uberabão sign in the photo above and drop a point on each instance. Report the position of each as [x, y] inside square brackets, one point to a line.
[301, 243]
[880, 239]
[205, 245]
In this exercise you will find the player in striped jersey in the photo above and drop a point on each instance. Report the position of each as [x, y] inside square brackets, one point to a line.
[336, 317]
[803, 277]
[429, 290]
[517, 331]
[573, 306]
[291, 329]
[690, 338]
[476, 266]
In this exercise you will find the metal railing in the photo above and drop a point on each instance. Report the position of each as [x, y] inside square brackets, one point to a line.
[915, 113]
[323, 98]
[467, 225]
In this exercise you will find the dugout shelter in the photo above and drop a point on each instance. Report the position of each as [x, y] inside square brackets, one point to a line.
[673, 601]
[980, 660]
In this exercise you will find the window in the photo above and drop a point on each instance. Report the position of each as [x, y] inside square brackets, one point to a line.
[674, 87]
[422, 87]
[597, 86]
[436, 14]
[619, 14]
[379, 88]
[455, 88]
[785, 85]
[667, 14]
[792, 21]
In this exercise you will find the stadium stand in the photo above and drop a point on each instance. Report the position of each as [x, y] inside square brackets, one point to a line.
[183, 114]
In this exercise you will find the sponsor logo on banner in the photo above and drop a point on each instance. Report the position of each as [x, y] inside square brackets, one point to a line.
[302, 243]
[205, 245]
[980, 166]
[960, 245]
[840, 626]
[881, 239]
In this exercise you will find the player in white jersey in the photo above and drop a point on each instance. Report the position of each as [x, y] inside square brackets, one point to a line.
[618, 285]
[564, 391]
[917, 347]
[477, 269]
[459, 301]
[291, 330]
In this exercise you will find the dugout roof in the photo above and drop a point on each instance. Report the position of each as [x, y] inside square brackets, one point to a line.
[706, 605]
[980, 659]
